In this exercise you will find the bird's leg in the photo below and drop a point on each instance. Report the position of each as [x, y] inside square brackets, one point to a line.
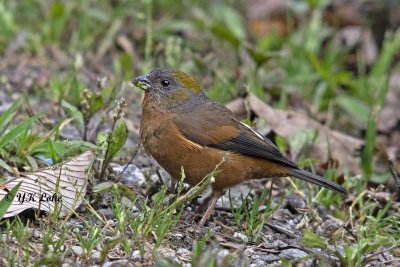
[199, 209]
[213, 200]
[205, 203]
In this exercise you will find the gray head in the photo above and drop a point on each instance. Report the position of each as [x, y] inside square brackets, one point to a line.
[170, 88]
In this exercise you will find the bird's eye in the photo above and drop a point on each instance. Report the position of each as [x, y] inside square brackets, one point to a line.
[165, 83]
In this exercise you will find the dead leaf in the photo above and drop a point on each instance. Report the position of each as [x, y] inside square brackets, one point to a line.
[287, 124]
[238, 107]
[360, 39]
[342, 13]
[381, 197]
[390, 113]
[268, 16]
[38, 189]
[125, 43]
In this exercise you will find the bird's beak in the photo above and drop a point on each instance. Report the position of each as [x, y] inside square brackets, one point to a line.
[142, 82]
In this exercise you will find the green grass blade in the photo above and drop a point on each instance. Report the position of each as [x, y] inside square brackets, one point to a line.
[5, 166]
[6, 116]
[5, 203]
[17, 130]
[381, 87]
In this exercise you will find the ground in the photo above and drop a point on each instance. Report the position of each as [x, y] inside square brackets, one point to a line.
[322, 84]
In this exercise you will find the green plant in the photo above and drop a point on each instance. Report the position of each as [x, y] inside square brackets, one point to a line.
[5, 203]
[249, 217]
[377, 86]
[24, 144]
[116, 138]
[21, 232]
[9, 25]
[203, 256]
[89, 240]
[54, 241]
[373, 230]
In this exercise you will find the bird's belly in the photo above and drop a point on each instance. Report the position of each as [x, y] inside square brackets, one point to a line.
[176, 153]
[180, 155]
[197, 162]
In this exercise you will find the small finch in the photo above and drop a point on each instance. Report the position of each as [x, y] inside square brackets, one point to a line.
[182, 127]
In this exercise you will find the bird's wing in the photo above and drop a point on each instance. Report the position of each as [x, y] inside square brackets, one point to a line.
[216, 126]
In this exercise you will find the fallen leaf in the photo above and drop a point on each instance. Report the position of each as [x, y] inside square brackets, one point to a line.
[237, 106]
[266, 17]
[390, 113]
[381, 197]
[342, 13]
[65, 182]
[125, 43]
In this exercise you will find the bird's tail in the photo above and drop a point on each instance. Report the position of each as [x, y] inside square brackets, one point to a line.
[316, 179]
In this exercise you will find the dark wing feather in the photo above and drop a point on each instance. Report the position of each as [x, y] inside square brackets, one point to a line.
[218, 127]
[252, 145]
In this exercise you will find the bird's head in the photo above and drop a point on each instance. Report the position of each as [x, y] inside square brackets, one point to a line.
[169, 88]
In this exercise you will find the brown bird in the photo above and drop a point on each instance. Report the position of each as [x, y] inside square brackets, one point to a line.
[182, 127]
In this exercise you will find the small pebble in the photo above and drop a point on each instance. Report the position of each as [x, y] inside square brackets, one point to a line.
[118, 263]
[221, 256]
[293, 253]
[136, 255]
[249, 252]
[132, 176]
[240, 237]
[96, 256]
[169, 254]
[266, 258]
[188, 240]
[37, 234]
[77, 250]
[178, 235]
[258, 263]
[275, 245]
[182, 251]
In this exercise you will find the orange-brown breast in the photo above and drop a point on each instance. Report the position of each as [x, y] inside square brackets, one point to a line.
[164, 142]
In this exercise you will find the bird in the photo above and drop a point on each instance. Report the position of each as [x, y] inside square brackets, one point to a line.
[181, 127]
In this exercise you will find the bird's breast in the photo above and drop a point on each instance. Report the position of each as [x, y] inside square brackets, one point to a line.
[164, 142]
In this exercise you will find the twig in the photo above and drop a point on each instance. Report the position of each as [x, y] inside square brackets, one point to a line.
[118, 115]
[369, 257]
[350, 232]
[131, 160]
[323, 255]
[282, 230]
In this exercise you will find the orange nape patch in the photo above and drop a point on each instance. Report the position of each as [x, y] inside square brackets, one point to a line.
[187, 81]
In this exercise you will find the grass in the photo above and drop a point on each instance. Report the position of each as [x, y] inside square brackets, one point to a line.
[92, 51]
[250, 216]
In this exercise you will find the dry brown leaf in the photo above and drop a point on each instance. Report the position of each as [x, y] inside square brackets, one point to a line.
[390, 113]
[342, 13]
[70, 177]
[359, 38]
[289, 123]
[268, 16]
[125, 43]
[237, 106]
